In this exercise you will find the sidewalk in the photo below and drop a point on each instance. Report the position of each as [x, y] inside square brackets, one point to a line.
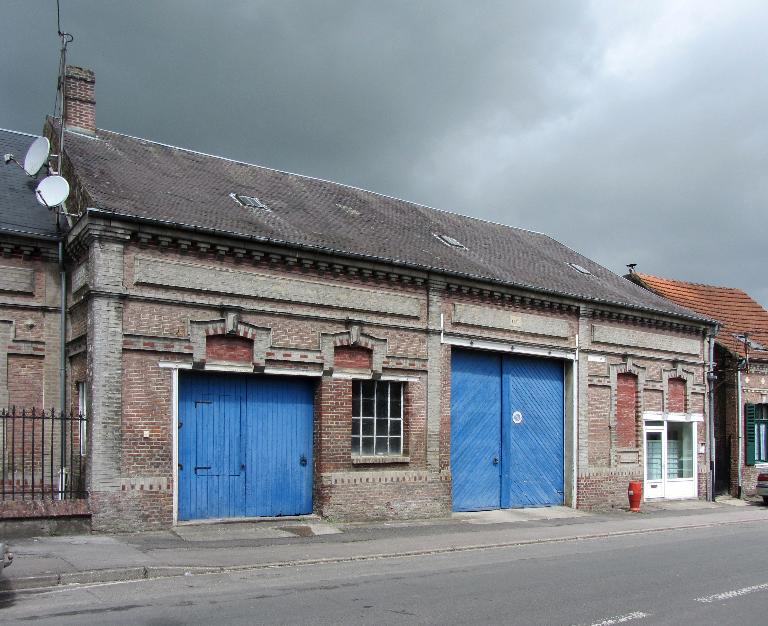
[209, 548]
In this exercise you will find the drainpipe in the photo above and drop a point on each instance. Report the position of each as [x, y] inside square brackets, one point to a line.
[740, 414]
[575, 433]
[63, 359]
[711, 422]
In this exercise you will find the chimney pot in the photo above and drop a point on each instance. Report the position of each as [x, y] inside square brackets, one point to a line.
[79, 100]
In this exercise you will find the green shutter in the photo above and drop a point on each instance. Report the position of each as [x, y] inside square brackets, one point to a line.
[750, 413]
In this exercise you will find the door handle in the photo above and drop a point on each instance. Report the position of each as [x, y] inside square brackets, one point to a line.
[303, 461]
[181, 467]
[495, 460]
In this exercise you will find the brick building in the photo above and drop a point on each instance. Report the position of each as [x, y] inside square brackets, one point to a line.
[741, 390]
[257, 343]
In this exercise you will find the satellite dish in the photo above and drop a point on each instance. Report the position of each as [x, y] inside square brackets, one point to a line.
[52, 191]
[37, 155]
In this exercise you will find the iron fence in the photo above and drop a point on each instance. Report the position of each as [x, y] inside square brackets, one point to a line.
[43, 454]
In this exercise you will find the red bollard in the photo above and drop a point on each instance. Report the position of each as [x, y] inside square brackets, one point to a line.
[635, 494]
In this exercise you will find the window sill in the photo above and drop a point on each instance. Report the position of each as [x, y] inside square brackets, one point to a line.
[376, 460]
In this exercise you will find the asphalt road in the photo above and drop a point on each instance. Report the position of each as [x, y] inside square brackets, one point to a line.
[713, 575]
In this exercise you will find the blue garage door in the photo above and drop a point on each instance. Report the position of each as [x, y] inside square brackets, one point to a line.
[475, 431]
[506, 431]
[245, 446]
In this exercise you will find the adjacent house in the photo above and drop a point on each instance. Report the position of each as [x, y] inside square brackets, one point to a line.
[41, 467]
[256, 343]
[741, 389]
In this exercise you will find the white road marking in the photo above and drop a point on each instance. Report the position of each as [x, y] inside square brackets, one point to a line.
[621, 619]
[732, 594]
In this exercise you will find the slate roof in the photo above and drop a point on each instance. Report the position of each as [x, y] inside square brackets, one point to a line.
[20, 213]
[733, 308]
[137, 178]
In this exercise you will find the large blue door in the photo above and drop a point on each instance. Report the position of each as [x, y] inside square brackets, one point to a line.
[245, 446]
[506, 431]
[279, 420]
[533, 432]
[475, 430]
[211, 447]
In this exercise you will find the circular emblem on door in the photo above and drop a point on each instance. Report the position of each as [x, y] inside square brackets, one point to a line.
[517, 417]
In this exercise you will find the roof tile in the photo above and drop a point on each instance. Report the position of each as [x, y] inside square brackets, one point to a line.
[736, 311]
[151, 181]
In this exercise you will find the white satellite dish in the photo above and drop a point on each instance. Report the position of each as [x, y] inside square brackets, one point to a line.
[37, 155]
[52, 191]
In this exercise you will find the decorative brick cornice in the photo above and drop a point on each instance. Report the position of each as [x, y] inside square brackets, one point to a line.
[639, 319]
[266, 256]
[516, 298]
[28, 249]
[87, 232]
[323, 264]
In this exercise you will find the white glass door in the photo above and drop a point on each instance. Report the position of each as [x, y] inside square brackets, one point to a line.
[670, 460]
[654, 461]
[680, 452]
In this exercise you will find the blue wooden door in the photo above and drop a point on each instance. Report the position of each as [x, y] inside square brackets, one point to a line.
[211, 447]
[279, 414]
[245, 446]
[475, 430]
[533, 432]
[506, 431]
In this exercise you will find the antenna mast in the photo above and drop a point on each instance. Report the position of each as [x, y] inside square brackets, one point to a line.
[60, 103]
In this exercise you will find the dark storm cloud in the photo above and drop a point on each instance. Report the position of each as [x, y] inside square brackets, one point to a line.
[629, 136]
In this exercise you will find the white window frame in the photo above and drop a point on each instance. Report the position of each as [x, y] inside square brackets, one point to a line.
[671, 488]
[761, 443]
[378, 384]
[82, 411]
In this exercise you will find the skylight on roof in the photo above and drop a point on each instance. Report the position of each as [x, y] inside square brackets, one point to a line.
[450, 241]
[250, 201]
[581, 269]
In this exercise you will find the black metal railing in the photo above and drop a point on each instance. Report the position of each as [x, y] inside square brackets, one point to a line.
[43, 454]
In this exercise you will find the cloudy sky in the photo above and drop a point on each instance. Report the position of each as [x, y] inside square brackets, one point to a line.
[631, 131]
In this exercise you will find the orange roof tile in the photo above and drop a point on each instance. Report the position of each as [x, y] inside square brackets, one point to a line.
[733, 308]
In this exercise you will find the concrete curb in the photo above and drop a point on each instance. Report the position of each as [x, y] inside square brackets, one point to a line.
[45, 582]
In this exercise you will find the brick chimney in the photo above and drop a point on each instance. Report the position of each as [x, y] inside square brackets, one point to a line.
[79, 100]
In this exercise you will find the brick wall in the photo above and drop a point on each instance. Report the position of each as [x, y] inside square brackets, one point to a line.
[154, 321]
[676, 391]
[228, 348]
[333, 425]
[349, 491]
[352, 357]
[606, 489]
[754, 391]
[79, 95]
[626, 410]
[599, 404]
[383, 495]
[146, 410]
[25, 382]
